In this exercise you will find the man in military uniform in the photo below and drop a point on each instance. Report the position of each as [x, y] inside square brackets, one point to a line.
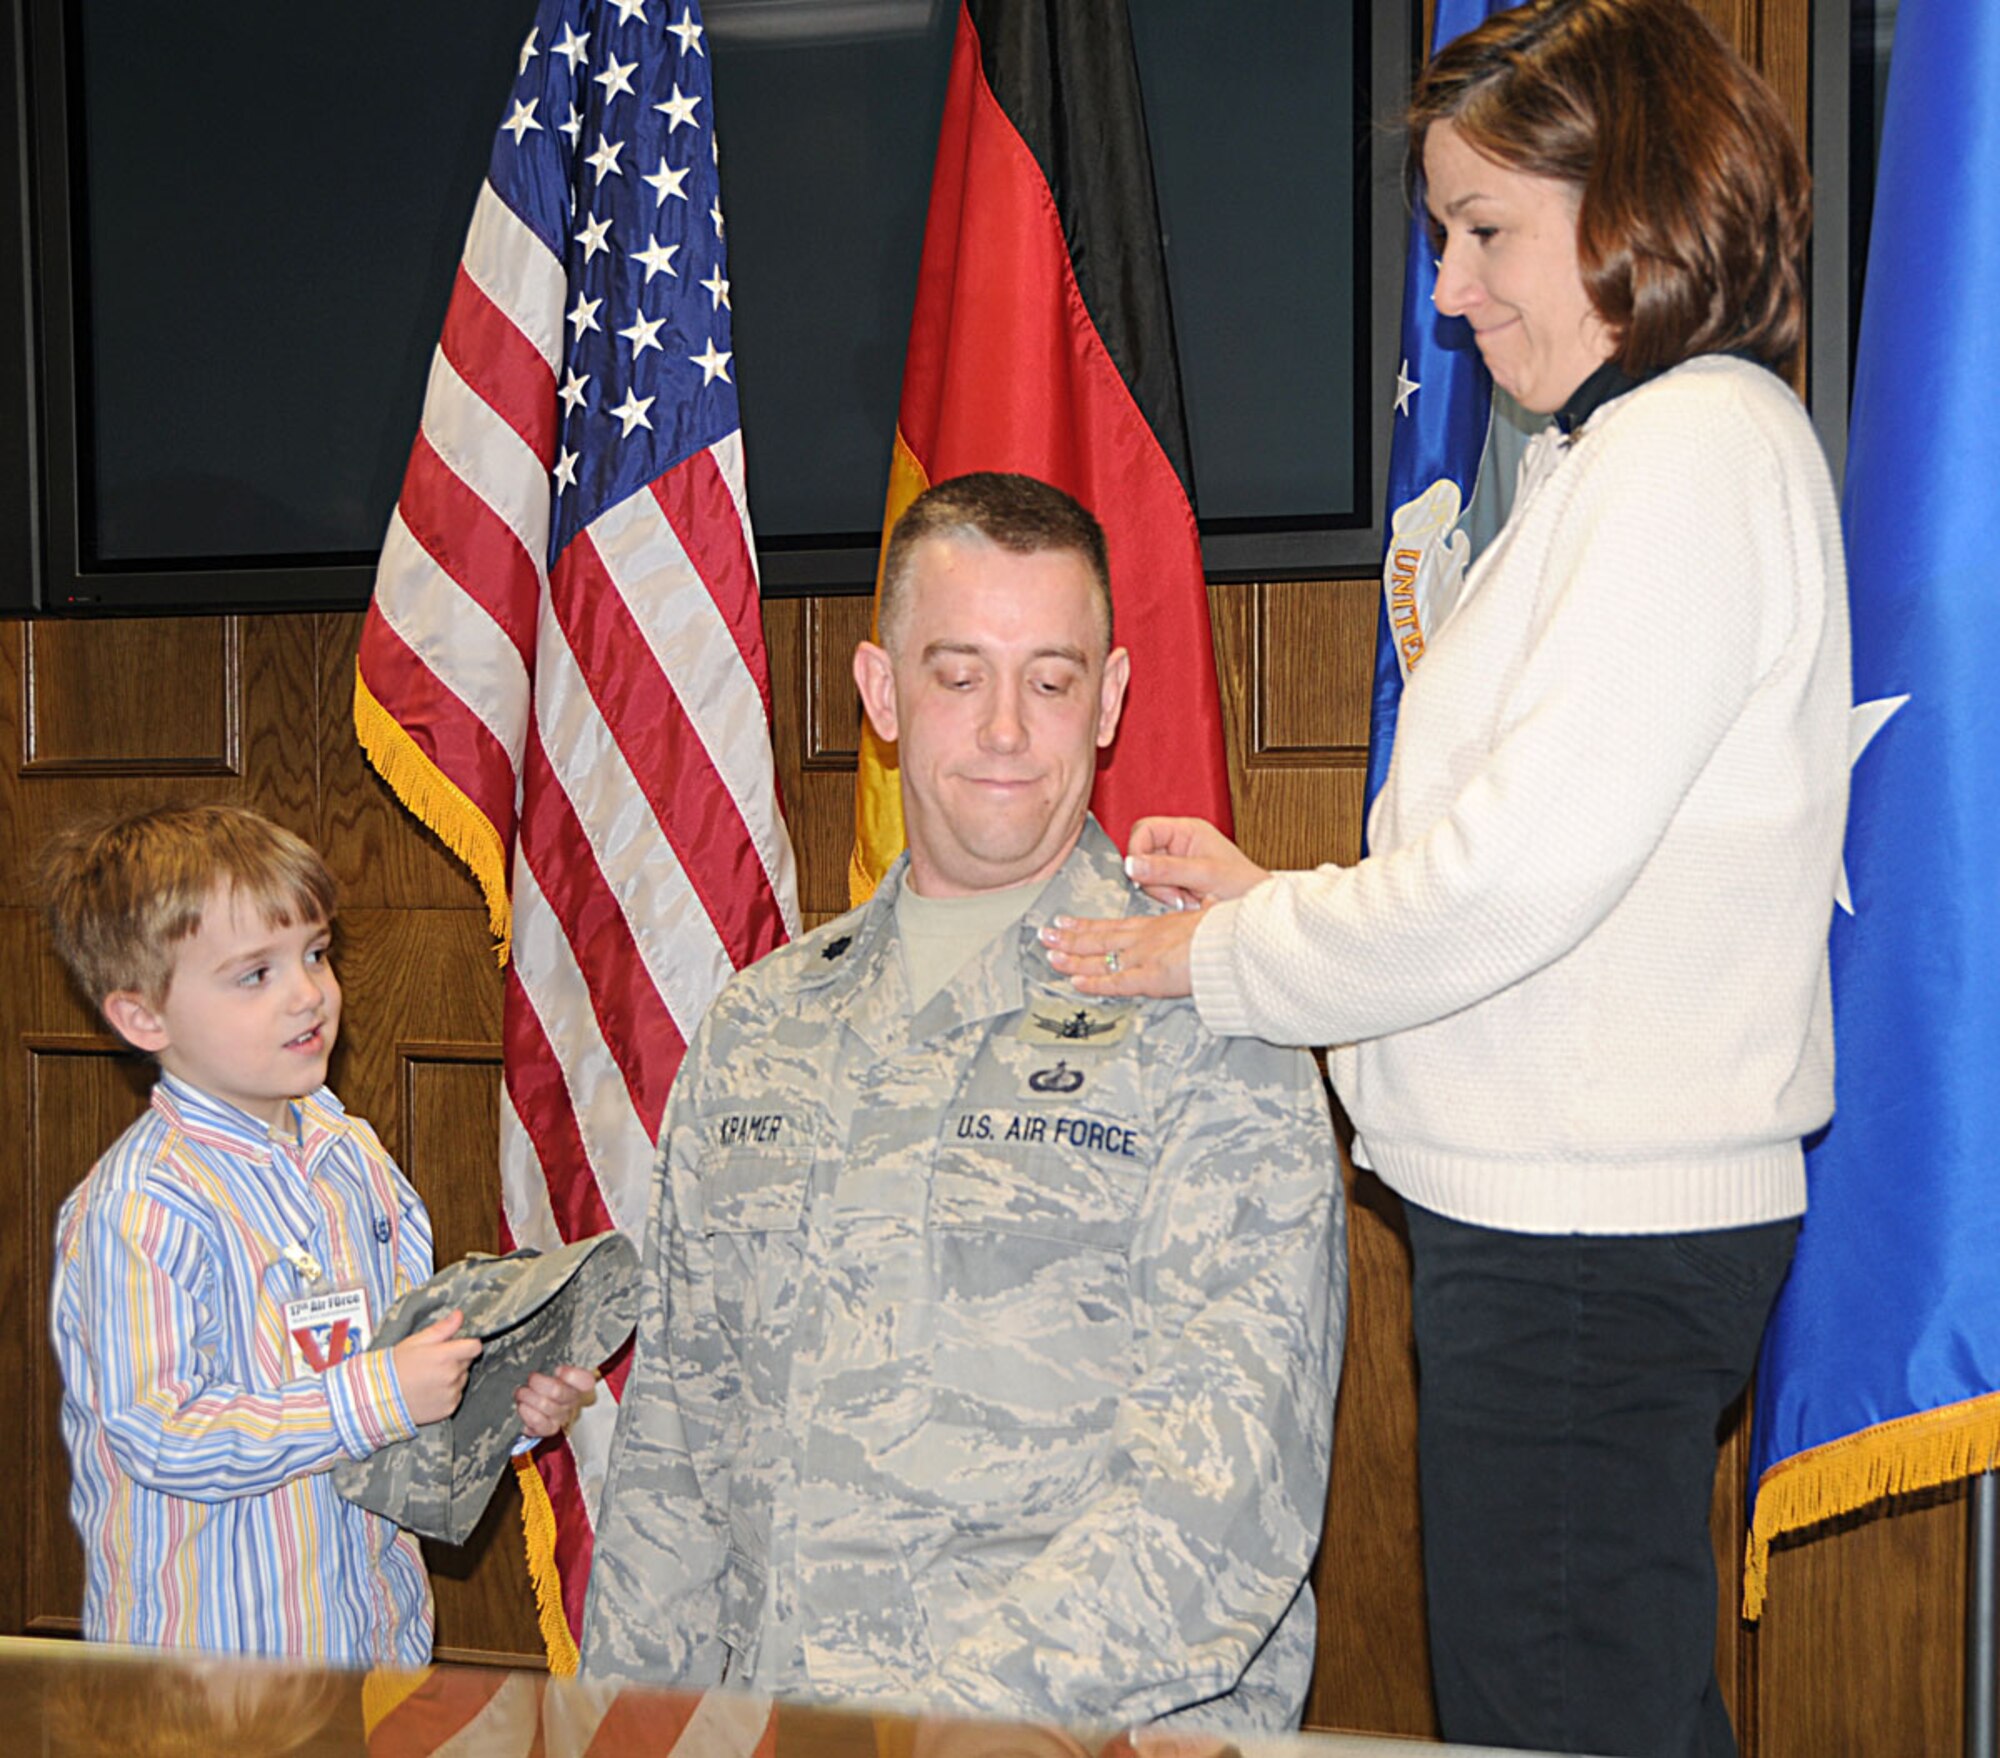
[987, 1354]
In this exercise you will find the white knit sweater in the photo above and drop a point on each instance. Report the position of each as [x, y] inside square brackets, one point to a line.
[1581, 984]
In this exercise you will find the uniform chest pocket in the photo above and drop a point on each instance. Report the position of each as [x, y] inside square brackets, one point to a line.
[1066, 1177]
[754, 1190]
[753, 1207]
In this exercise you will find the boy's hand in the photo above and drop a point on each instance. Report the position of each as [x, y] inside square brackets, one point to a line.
[547, 1402]
[431, 1366]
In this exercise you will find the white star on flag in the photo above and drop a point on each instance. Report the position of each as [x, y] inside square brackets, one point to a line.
[714, 364]
[1405, 386]
[666, 182]
[658, 258]
[678, 110]
[689, 33]
[633, 410]
[522, 120]
[605, 160]
[616, 78]
[644, 334]
[1864, 721]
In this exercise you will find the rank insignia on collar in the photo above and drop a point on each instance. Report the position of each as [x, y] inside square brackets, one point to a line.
[1060, 1079]
[835, 947]
[1093, 1026]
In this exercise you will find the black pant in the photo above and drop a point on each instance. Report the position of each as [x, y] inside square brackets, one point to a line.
[1569, 1391]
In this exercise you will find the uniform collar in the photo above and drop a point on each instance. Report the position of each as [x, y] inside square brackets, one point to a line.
[1002, 979]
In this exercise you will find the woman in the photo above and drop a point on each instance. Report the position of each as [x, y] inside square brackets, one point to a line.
[1580, 984]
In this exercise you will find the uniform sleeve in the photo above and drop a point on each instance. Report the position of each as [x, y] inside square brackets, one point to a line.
[654, 1606]
[1159, 1594]
[146, 1343]
[1676, 583]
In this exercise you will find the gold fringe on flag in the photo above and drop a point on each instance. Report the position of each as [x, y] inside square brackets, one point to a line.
[538, 1526]
[1924, 1451]
[439, 804]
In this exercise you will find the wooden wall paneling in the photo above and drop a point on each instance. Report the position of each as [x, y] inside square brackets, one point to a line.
[382, 856]
[1373, 1669]
[1728, 1527]
[133, 698]
[409, 976]
[1861, 1646]
[25, 1360]
[815, 737]
[119, 714]
[419, 1057]
[1294, 660]
[83, 1091]
[451, 1145]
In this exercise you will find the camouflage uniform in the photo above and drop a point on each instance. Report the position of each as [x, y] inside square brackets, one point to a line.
[986, 1359]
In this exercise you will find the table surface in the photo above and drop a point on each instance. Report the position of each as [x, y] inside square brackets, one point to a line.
[59, 1699]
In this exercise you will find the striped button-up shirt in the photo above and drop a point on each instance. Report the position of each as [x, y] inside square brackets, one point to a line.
[199, 1455]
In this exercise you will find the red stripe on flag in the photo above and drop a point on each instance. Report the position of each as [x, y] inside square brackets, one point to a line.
[698, 505]
[473, 544]
[667, 758]
[502, 365]
[541, 1100]
[455, 739]
[637, 1028]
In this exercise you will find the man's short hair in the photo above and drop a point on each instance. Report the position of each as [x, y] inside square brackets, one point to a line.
[122, 893]
[1017, 513]
[1694, 199]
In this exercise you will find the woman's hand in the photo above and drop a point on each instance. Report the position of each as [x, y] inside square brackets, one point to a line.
[1184, 862]
[1136, 955]
[1187, 862]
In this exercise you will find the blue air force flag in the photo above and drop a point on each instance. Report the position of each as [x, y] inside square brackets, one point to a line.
[1881, 1368]
[1443, 405]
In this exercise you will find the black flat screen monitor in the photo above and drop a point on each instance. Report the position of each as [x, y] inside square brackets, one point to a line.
[240, 226]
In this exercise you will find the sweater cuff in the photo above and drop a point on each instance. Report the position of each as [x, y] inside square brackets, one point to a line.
[1212, 972]
[366, 1401]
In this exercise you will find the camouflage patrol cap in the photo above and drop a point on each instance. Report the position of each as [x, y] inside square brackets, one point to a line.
[534, 1311]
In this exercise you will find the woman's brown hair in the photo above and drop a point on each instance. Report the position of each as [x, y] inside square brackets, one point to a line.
[1694, 199]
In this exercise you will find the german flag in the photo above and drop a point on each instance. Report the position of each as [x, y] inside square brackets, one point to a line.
[1042, 342]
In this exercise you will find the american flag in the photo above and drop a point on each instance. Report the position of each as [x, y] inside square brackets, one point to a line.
[563, 668]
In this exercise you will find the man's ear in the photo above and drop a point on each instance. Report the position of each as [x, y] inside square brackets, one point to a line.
[131, 1016]
[875, 678]
[1111, 695]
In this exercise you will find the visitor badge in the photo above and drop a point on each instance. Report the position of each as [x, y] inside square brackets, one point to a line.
[326, 1327]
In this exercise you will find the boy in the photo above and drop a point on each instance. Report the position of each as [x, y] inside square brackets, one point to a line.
[218, 1271]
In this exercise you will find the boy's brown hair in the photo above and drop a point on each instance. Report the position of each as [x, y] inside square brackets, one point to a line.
[122, 893]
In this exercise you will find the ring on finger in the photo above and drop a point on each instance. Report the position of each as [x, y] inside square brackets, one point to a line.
[1112, 963]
